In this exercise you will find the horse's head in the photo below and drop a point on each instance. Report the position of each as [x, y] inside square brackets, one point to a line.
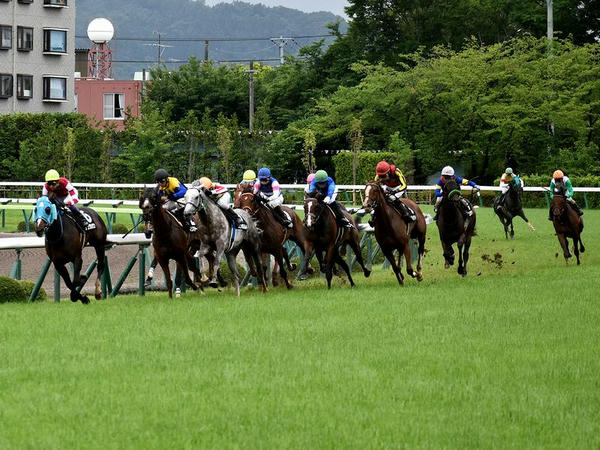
[241, 188]
[247, 201]
[451, 190]
[45, 214]
[312, 211]
[373, 195]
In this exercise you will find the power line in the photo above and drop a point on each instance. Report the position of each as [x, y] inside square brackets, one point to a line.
[203, 39]
[184, 61]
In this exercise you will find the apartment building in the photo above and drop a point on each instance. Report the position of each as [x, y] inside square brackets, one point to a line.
[37, 55]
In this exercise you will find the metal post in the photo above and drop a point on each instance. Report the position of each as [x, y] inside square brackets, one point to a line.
[15, 273]
[124, 275]
[142, 270]
[40, 280]
[206, 42]
[251, 111]
[88, 272]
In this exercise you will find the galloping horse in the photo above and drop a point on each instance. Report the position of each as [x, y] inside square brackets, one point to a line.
[274, 234]
[65, 242]
[567, 224]
[218, 235]
[169, 239]
[327, 236]
[512, 207]
[392, 233]
[451, 226]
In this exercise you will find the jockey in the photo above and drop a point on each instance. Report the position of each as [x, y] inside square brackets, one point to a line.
[66, 194]
[447, 175]
[559, 178]
[222, 198]
[172, 191]
[268, 189]
[508, 178]
[324, 185]
[393, 183]
[309, 178]
[248, 180]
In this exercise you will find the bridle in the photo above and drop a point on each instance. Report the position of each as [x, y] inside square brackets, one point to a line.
[311, 218]
[249, 197]
[371, 202]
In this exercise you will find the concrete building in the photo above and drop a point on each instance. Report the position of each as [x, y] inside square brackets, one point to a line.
[37, 55]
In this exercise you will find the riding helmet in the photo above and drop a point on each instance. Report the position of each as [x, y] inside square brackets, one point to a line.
[160, 174]
[321, 176]
[206, 182]
[310, 177]
[382, 168]
[558, 174]
[52, 175]
[264, 173]
[249, 175]
[508, 171]
[448, 170]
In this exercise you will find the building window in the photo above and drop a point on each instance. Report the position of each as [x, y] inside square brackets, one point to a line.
[6, 85]
[55, 88]
[5, 37]
[55, 2]
[24, 86]
[25, 1]
[114, 106]
[24, 39]
[55, 41]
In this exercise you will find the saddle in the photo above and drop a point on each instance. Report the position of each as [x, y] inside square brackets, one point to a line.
[82, 227]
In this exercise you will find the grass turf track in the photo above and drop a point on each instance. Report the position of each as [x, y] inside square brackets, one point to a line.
[509, 358]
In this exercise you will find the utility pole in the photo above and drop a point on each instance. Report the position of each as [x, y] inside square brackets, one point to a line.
[550, 20]
[206, 50]
[160, 48]
[281, 42]
[251, 73]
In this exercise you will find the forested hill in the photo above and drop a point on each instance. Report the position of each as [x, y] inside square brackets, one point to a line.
[187, 18]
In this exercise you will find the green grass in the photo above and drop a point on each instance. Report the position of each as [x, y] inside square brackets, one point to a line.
[509, 358]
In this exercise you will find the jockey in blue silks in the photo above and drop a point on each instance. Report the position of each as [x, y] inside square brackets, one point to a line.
[325, 186]
[267, 188]
[447, 175]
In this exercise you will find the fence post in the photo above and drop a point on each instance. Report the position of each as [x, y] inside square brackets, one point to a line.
[40, 280]
[15, 273]
[142, 270]
[585, 200]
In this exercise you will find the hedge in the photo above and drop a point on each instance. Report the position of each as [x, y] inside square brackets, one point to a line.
[28, 288]
[367, 161]
[11, 291]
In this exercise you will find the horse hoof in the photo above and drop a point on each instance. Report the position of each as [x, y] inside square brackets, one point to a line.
[293, 267]
[275, 282]
[85, 300]
[303, 277]
[98, 296]
[446, 265]
[367, 273]
[419, 277]
[289, 286]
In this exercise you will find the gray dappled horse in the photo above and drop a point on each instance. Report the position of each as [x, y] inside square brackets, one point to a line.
[217, 234]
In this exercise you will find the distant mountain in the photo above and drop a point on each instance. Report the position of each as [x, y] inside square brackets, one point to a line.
[193, 19]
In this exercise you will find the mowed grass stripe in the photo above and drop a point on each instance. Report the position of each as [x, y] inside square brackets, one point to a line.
[505, 359]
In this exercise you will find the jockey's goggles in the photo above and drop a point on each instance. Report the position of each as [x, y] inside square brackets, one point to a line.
[264, 180]
[162, 180]
[52, 183]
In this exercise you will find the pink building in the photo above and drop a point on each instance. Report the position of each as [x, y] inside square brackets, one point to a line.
[108, 100]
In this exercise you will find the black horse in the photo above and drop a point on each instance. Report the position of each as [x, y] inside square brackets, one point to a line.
[451, 225]
[509, 206]
[65, 241]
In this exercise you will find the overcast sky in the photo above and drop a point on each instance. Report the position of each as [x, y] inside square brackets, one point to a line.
[334, 6]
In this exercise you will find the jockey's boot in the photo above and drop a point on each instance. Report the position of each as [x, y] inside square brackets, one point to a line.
[339, 215]
[436, 208]
[282, 217]
[237, 221]
[467, 212]
[408, 215]
[576, 207]
[81, 219]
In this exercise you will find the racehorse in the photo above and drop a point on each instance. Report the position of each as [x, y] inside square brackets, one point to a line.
[511, 207]
[274, 234]
[169, 239]
[451, 226]
[65, 241]
[218, 235]
[392, 233]
[327, 236]
[567, 223]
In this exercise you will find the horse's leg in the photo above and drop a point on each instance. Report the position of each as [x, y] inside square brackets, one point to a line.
[521, 214]
[100, 252]
[255, 255]
[344, 265]
[231, 261]
[355, 246]
[329, 260]
[218, 256]
[576, 247]
[290, 266]
[389, 254]
[408, 259]
[184, 270]
[421, 238]
[164, 265]
[448, 254]
[465, 257]
[461, 245]
[78, 279]
[74, 295]
[565, 246]
[308, 253]
[512, 230]
[279, 260]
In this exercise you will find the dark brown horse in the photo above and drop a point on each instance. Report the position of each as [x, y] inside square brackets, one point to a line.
[451, 226]
[65, 242]
[327, 236]
[511, 207]
[567, 224]
[170, 240]
[392, 233]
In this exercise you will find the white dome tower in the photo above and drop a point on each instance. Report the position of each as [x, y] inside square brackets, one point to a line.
[100, 31]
